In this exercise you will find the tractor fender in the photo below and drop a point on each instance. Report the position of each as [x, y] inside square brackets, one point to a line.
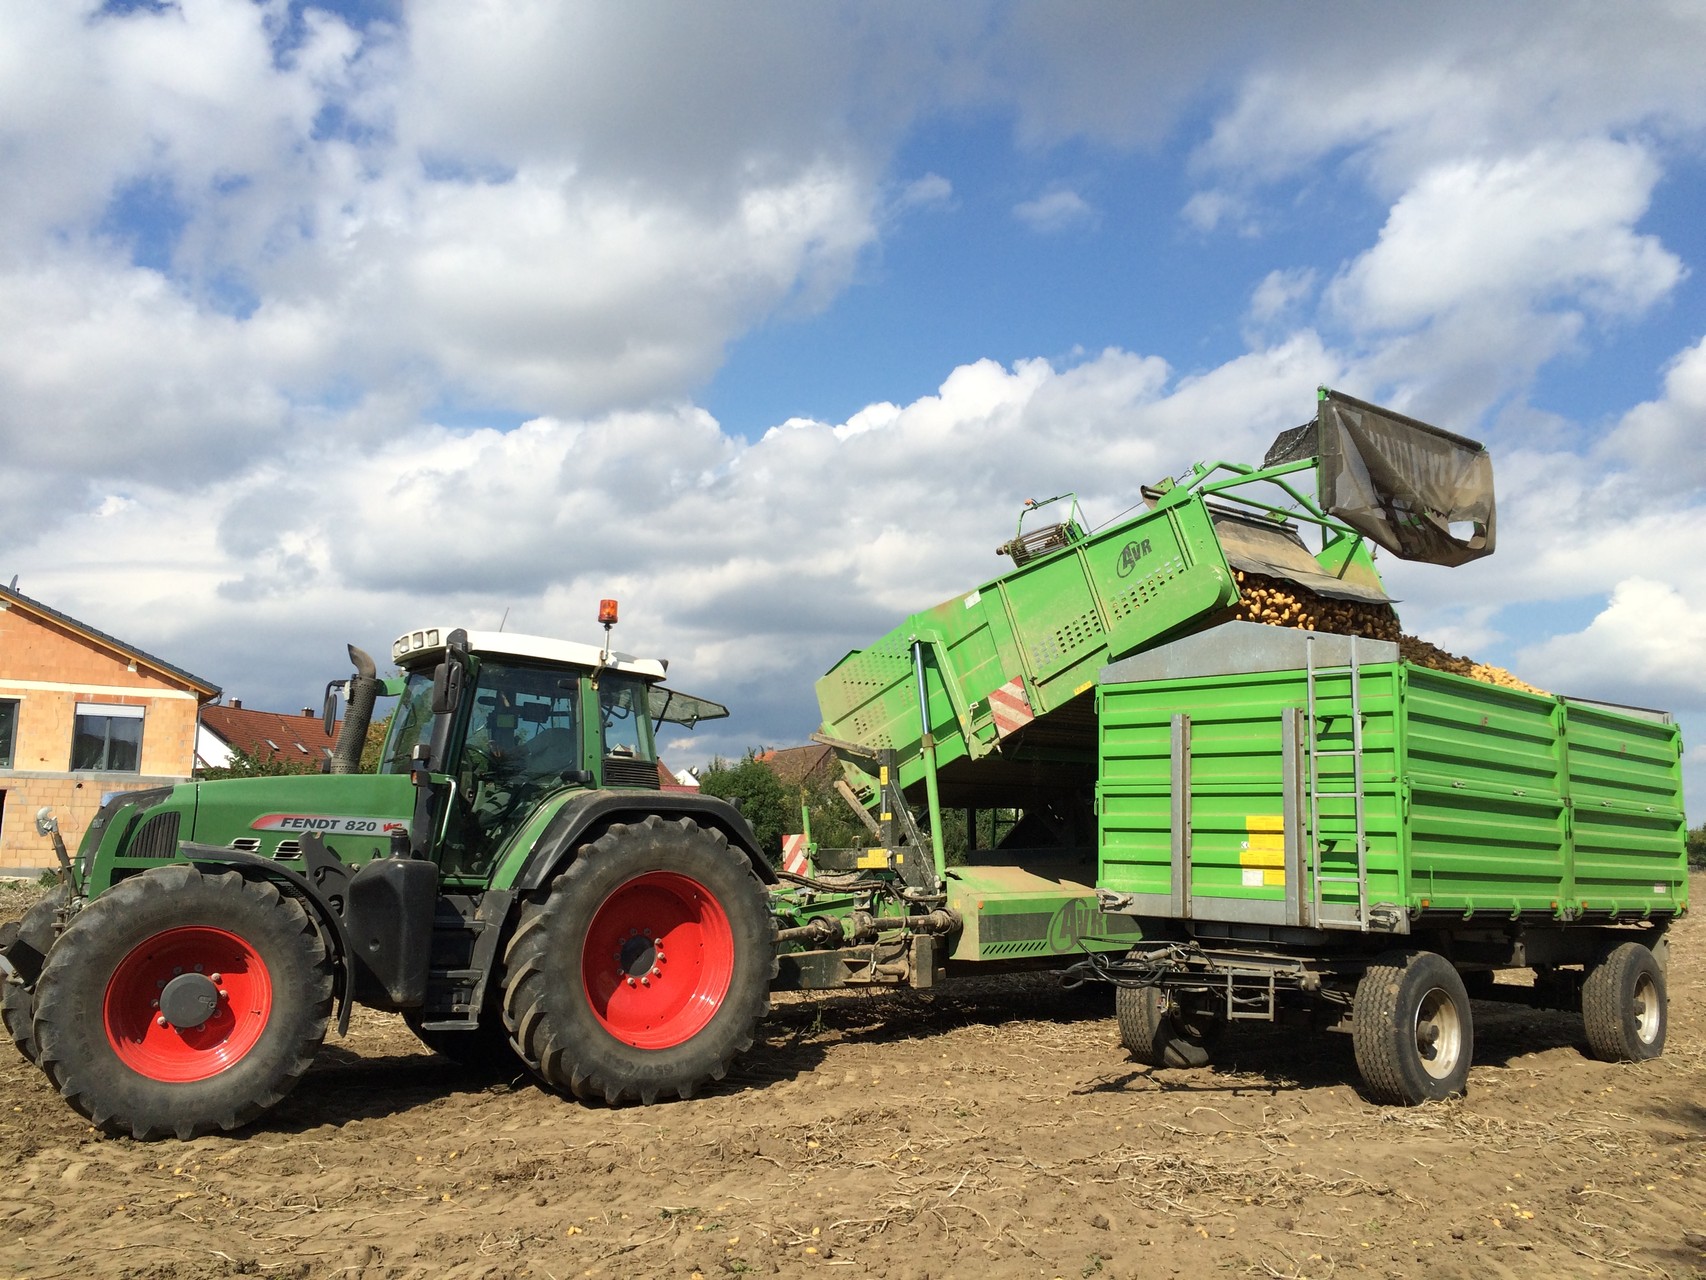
[252, 866]
[591, 812]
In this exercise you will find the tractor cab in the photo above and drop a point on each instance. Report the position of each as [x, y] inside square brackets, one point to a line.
[513, 719]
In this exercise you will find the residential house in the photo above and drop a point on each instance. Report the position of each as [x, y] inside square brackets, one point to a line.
[82, 715]
[298, 739]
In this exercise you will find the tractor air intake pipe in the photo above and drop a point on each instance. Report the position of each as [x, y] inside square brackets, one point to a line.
[358, 714]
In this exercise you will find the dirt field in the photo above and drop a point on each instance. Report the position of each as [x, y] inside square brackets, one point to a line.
[993, 1130]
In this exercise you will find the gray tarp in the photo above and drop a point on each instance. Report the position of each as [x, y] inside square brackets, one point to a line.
[1422, 493]
[1258, 545]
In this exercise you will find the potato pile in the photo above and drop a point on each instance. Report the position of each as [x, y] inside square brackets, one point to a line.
[1432, 656]
[1282, 603]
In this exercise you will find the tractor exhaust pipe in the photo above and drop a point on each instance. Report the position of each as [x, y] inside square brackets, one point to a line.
[362, 691]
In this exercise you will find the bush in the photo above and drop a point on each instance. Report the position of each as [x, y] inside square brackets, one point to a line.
[244, 765]
[1697, 848]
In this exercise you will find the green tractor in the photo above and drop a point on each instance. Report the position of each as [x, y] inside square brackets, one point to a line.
[512, 879]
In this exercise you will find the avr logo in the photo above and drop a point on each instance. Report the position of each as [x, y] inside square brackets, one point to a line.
[1131, 554]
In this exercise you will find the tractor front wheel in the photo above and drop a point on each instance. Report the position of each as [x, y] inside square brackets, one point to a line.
[27, 947]
[645, 969]
[181, 1003]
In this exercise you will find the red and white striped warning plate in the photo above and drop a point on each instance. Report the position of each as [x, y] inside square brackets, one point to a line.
[794, 855]
[1011, 708]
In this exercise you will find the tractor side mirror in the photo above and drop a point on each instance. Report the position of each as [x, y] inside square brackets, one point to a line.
[329, 709]
[446, 688]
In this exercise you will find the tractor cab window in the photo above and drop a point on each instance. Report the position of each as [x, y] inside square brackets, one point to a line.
[623, 710]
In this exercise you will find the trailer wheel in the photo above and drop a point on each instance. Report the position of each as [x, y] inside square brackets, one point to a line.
[1159, 1030]
[1624, 1005]
[645, 969]
[180, 1003]
[1411, 1028]
[27, 949]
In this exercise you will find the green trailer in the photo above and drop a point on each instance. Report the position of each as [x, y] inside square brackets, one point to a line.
[1304, 825]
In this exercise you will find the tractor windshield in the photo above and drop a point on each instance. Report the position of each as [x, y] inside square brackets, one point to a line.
[411, 724]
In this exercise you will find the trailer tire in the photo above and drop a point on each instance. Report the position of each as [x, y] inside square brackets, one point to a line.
[119, 999]
[27, 949]
[1160, 1031]
[646, 967]
[1624, 1005]
[1412, 1030]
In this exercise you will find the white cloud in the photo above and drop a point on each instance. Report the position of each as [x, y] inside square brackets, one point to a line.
[1056, 210]
[1403, 90]
[1647, 647]
[932, 191]
[1281, 294]
[1208, 211]
[1665, 437]
[1517, 233]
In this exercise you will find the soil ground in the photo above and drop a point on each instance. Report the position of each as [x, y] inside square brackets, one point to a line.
[994, 1129]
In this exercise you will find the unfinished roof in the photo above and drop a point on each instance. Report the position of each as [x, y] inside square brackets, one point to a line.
[11, 598]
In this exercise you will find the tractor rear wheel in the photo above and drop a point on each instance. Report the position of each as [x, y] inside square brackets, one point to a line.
[181, 1003]
[645, 969]
[27, 949]
[1160, 1030]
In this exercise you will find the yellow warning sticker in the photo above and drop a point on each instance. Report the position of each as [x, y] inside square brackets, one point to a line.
[1262, 853]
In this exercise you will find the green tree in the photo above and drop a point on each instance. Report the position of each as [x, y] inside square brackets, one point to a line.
[374, 744]
[761, 799]
[1697, 847]
[834, 825]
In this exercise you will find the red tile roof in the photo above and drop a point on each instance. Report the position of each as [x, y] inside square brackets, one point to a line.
[271, 735]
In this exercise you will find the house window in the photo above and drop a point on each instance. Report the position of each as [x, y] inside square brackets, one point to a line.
[108, 738]
[8, 730]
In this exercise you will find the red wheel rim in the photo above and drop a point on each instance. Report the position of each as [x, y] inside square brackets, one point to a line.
[148, 1043]
[658, 960]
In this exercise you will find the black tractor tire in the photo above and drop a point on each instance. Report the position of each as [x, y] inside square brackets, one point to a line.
[1159, 1030]
[35, 933]
[182, 1003]
[1624, 1005]
[645, 969]
[485, 1050]
[1411, 1029]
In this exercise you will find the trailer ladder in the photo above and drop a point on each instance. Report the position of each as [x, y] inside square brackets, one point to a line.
[1322, 911]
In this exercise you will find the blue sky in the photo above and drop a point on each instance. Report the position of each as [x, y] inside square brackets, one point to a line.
[326, 321]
